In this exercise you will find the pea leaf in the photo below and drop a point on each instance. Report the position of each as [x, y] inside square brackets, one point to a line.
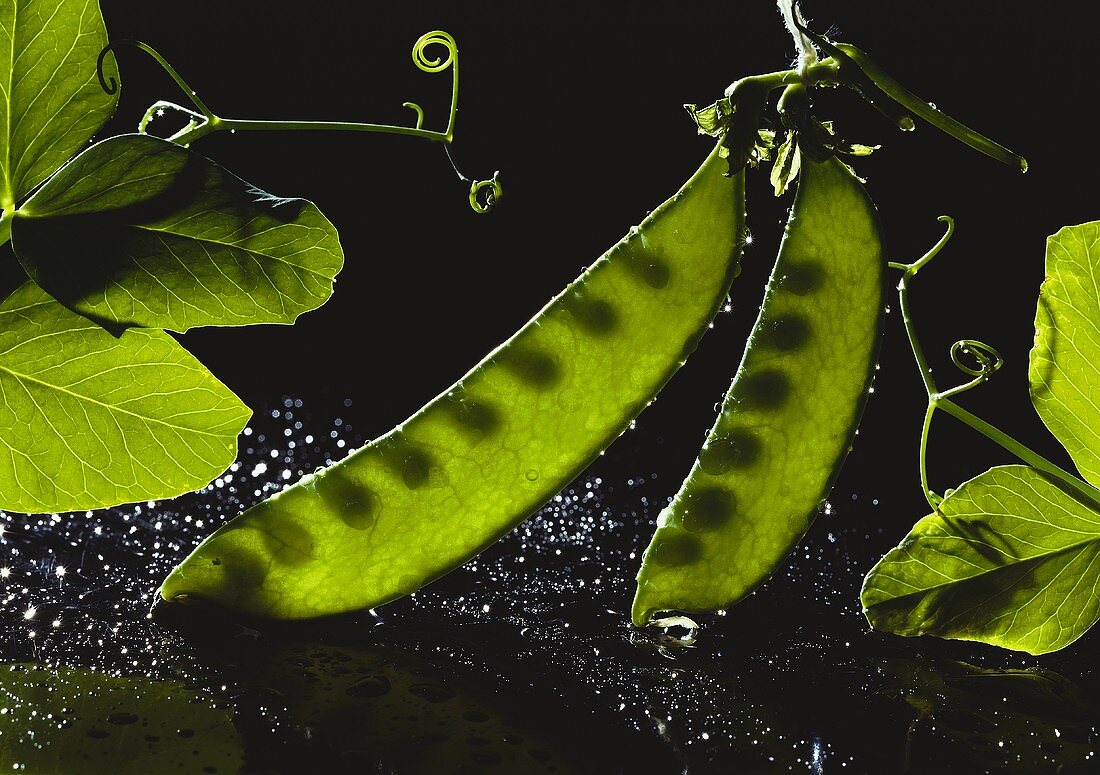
[11, 274]
[788, 162]
[137, 231]
[50, 98]
[714, 118]
[60, 719]
[89, 420]
[1064, 368]
[1011, 560]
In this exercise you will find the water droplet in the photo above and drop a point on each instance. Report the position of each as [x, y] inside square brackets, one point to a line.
[737, 448]
[432, 692]
[532, 475]
[355, 504]
[371, 686]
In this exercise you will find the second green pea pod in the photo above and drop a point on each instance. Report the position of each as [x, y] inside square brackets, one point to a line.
[790, 415]
[498, 444]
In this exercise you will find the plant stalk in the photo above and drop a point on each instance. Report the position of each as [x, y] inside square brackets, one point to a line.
[944, 401]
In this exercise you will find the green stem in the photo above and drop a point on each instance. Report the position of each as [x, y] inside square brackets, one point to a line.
[217, 124]
[909, 271]
[933, 499]
[869, 78]
[207, 122]
[111, 85]
[938, 400]
[929, 112]
[824, 71]
[1082, 488]
[910, 331]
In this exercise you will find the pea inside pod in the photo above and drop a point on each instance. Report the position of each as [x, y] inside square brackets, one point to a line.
[499, 443]
[789, 417]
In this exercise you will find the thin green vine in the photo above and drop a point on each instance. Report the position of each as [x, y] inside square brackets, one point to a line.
[202, 121]
[988, 361]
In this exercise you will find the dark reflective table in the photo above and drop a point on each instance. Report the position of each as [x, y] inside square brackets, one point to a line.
[522, 661]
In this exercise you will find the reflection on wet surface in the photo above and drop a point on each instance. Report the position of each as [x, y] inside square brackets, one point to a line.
[522, 661]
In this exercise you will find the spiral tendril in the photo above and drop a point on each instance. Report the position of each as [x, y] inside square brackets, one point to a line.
[112, 87]
[435, 37]
[985, 361]
[484, 194]
[157, 110]
[988, 360]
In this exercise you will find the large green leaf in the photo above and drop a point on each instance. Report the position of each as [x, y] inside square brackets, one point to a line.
[89, 420]
[11, 274]
[50, 98]
[137, 231]
[1065, 362]
[58, 719]
[1011, 560]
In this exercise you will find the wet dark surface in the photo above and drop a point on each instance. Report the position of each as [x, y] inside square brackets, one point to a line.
[522, 661]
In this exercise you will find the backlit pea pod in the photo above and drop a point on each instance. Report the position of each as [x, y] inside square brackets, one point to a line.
[789, 417]
[497, 445]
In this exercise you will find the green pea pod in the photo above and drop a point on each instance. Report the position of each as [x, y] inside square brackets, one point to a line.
[790, 414]
[464, 470]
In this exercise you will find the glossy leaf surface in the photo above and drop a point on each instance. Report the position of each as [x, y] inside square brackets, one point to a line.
[50, 98]
[1011, 560]
[90, 420]
[1064, 370]
[380, 705]
[498, 444]
[137, 231]
[59, 719]
[790, 415]
[973, 719]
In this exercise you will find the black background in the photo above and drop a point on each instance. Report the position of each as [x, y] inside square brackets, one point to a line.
[579, 106]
